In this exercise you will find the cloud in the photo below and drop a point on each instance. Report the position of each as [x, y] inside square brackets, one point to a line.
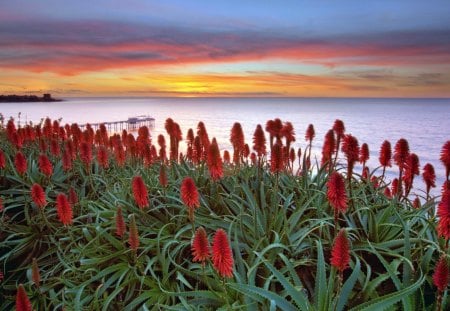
[70, 48]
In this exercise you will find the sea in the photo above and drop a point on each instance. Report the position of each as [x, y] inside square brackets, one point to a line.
[425, 123]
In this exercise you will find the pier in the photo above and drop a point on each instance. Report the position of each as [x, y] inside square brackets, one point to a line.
[132, 123]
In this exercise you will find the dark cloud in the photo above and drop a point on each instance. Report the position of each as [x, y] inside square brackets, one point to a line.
[73, 47]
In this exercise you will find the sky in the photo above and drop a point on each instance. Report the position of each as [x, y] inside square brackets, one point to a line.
[226, 48]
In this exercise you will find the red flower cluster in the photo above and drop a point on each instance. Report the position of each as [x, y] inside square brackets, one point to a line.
[21, 163]
[340, 253]
[140, 192]
[133, 238]
[237, 140]
[2, 160]
[163, 175]
[429, 177]
[22, 301]
[336, 194]
[45, 166]
[277, 159]
[401, 152]
[443, 213]
[102, 157]
[201, 251]
[445, 158]
[120, 223]
[189, 196]
[350, 147]
[214, 161]
[310, 133]
[222, 257]
[38, 196]
[64, 209]
[329, 145]
[259, 141]
[385, 154]
[441, 275]
[35, 275]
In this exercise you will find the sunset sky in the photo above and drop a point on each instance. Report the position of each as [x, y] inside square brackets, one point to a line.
[226, 48]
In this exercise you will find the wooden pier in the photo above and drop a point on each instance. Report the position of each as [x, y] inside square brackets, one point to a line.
[132, 123]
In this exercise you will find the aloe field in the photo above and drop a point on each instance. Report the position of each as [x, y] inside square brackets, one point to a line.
[91, 220]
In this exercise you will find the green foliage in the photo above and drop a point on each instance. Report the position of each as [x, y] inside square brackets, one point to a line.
[280, 227]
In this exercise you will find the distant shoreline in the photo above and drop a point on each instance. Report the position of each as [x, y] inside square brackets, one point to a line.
[27, 98]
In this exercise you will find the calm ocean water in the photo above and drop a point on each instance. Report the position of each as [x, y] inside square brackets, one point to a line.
[425, 123]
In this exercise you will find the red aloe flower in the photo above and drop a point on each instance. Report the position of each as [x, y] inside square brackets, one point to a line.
[401, 152]
[276, 159]
[21, 163]
[66, 160]
[119, 154]
[10, 129]
[189, 196]
[340, 253]
[54, 148]
[73, 198]
[310, 133]
[163, 175]
[339, 130]
[120, 223]
[411, 169]
[226, 157]
[238, 142]
[259, 141]
[86, 153]
[287, 131]
[45, 166]
[162, 148]
[2, 160]
[214, 161]
[441, 275]
[22, 301]
[385, 155]
[429, 177]
[102, 156]
[364, 154]
[396, 187]
[350, 148]
[222, 257]
[204, 140]
[38, 196]
[140, 192]
[336, 193]
[35, 275]
[445, 158]
[133, 238]
[201, 251]
[1, 205]
[328, 147]
[443, 214]
[64, 209]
